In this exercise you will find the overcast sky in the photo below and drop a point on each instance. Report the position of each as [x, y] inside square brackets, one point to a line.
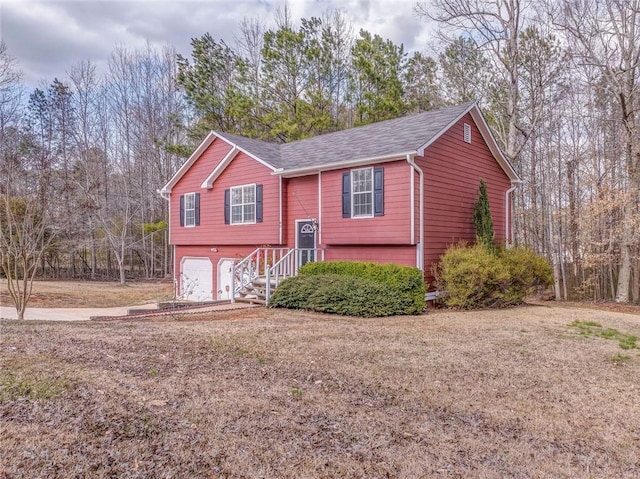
[47, 37]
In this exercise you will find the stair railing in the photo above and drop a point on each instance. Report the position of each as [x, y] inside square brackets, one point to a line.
[255, 264]
[288, 266]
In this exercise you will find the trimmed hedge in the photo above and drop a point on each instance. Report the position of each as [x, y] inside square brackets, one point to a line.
[476, 277]
[354, 289]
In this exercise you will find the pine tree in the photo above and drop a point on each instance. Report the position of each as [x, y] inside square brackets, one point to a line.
[482, 219]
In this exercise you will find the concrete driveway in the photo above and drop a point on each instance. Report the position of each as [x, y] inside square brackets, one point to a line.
[85, 314]
[68, 314]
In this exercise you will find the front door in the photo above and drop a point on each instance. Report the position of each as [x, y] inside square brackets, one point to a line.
[305, 241]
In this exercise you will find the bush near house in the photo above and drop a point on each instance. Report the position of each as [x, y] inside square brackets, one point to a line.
[354, 289]
[478, 277]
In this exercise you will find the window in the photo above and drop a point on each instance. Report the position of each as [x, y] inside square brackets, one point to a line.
[467, 133]
[190, 209]
[243, 205]
[363, 193]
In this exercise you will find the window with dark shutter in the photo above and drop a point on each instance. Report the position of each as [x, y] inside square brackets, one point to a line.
[197, 209]
[181, 210]
[243, 204]
[258, 203]
[227, 206]
[378, 191]
[363, 193]
[346, 195]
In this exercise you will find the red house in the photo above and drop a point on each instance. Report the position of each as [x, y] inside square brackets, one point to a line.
[397, 191]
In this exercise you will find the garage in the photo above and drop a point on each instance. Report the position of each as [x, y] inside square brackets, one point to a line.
[196, 279]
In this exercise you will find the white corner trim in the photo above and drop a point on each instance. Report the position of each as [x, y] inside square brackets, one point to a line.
[508, 227]
[217, 171]
[420, 247]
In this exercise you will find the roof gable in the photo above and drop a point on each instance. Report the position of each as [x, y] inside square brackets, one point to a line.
[376, 142]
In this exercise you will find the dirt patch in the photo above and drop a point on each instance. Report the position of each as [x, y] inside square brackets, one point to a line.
[281, 394]
[98, 294]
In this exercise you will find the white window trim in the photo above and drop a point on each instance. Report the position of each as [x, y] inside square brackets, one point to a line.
[193, 196]
[353, 215]
[255, 212]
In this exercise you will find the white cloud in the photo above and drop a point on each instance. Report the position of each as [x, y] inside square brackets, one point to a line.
[48, 37]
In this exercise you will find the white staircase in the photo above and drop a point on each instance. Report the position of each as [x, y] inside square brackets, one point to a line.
[258, 275]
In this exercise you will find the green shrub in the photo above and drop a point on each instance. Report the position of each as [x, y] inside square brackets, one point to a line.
[353, 288]
[338, 294]
[406, 281]
[476, 277]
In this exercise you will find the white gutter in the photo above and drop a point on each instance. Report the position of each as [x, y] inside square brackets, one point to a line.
[280, 208]
[319, 208]
[306, 170]
[412, 203]
[420, 249]
[508, 227]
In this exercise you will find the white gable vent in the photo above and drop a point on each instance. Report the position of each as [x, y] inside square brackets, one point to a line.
[467, 133]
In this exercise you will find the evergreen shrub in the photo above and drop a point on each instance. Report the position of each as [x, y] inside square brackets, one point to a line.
[353, 288]
[478, 277]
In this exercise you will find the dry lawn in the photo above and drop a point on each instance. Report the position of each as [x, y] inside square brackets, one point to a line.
[276, 394]
[94, 294]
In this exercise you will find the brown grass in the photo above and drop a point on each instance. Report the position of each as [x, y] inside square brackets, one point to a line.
[279, 394]
[98, 294]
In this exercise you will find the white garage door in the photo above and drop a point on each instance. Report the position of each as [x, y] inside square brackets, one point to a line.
[196, 279]
[225, 272]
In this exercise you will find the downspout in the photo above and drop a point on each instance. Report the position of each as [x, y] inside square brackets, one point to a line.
[420, 252]
[280, 208]
[508, 228]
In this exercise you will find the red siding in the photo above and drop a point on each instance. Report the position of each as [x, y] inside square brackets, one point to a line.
[392, 228]
[453, 170]
[302, 203]
[212, 230]
[405, 255]
[452, 173]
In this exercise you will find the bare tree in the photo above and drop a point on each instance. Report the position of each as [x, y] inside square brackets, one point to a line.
[495, 25]
[605, 35]
[24, 237]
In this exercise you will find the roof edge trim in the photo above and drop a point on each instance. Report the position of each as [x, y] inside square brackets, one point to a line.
[220, 167]
[307, 170]
[445, 128]
[248, 153]
[190, 161]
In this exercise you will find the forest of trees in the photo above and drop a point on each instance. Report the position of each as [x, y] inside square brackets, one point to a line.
[82, 157]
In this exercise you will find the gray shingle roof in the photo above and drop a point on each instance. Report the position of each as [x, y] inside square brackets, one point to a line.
[384, 138]
[267, 152]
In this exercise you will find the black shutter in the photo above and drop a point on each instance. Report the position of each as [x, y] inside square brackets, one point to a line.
[346, 195]
[181, 210]
[227, 207]
[378, 191]
[258, 203]
[197, 211]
